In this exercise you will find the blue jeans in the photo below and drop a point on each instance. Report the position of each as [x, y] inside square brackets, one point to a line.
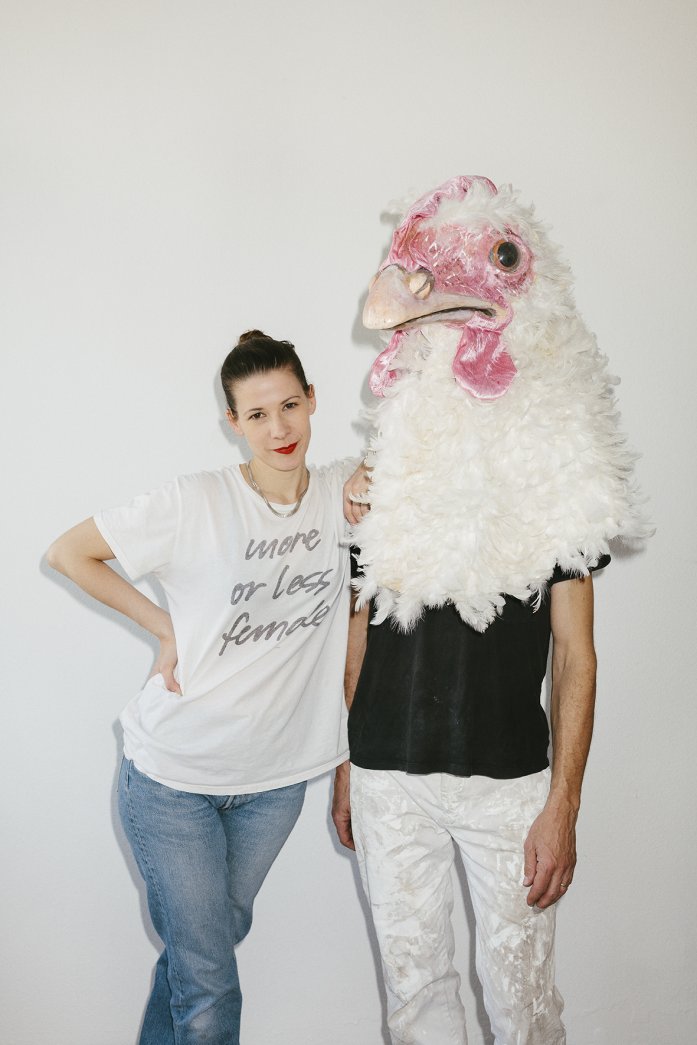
[203, 858]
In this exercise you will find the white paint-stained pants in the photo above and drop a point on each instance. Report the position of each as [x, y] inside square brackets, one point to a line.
[404, 826]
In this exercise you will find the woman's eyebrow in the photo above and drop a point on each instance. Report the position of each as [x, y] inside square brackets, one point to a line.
[256, 409]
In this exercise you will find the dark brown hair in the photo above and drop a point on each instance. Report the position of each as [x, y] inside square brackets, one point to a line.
[257, 353]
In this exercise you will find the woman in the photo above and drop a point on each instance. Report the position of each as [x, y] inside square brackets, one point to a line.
[245, 703]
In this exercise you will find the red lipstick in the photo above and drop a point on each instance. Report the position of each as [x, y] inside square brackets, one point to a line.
[286, 449]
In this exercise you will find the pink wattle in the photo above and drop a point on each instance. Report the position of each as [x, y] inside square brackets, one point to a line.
[482, 365]
[381, 376]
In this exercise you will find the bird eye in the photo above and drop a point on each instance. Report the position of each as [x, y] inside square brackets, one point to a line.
[505, 255]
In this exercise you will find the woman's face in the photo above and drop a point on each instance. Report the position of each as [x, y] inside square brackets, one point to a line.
[273, 415]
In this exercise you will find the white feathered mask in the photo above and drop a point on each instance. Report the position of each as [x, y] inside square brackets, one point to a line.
[497, 451]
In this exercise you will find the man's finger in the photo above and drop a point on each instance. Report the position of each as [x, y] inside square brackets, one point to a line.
[346, 838]
[530, 864]
[554, 892]
[344, 832]
[540, 883]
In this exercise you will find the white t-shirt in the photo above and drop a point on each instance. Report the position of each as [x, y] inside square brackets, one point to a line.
[260, 609]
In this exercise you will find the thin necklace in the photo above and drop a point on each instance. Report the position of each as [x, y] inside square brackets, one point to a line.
[255, 486]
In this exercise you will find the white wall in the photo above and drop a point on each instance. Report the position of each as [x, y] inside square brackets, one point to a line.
[175, 173]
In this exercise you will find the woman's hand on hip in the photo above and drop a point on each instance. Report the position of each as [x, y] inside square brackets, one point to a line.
[166, 663]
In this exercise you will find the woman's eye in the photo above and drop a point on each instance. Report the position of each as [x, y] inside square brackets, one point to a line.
[505, 255]
[254, 417]
[290, 406]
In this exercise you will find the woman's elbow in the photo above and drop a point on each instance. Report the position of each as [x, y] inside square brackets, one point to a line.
[76, 547]
[55, 556]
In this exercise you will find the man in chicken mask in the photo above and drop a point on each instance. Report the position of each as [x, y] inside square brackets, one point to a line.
[498, 479]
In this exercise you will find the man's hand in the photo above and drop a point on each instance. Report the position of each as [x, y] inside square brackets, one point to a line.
[356, 502]
[341, 805]
[550, 854]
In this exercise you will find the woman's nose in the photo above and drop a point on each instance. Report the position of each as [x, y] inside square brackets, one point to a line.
[279, 426]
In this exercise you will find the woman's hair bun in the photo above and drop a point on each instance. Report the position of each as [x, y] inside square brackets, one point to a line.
[249, 335]
[257, 353]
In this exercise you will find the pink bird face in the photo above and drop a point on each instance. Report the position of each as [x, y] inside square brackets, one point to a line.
[443, 271]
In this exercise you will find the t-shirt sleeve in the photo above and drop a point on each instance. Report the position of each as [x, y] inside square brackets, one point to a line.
[567, 575]
[339, 471]
[346, 467]
[142, 533]
[334, 476]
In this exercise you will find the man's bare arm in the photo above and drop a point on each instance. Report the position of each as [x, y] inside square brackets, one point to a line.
[550, 848]
[341, 802]
[355, 650]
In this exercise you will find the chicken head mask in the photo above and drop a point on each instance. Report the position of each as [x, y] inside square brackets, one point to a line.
[496, 449]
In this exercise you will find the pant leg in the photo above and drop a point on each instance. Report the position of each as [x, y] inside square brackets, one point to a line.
[158, 1028]
[256, 828]
[204, 859]
[405, 859]
[514, 942]
[180, 847]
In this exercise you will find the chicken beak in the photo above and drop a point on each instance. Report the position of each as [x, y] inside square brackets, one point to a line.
[390, 300]
[397, 297]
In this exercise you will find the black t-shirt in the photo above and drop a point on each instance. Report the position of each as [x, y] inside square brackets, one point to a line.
[445, 698]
